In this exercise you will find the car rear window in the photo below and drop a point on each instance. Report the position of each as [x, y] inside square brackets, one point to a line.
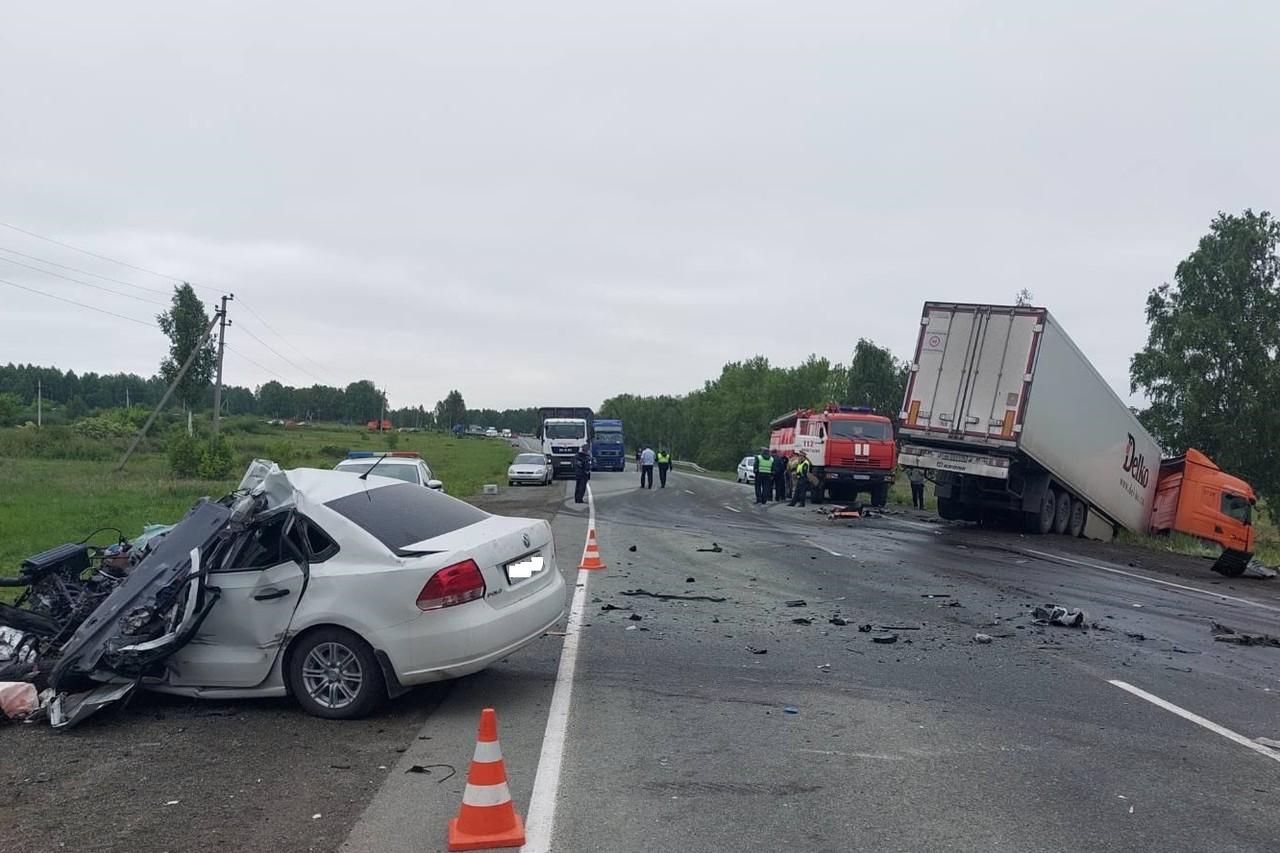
[403, 514]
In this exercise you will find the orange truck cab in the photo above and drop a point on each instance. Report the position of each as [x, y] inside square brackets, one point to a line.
[1196, 497]
[851, 449]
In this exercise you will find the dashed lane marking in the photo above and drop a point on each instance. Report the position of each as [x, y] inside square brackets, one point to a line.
[731, 509]
[1197, 719]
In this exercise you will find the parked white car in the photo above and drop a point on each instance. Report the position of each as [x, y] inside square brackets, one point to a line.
[491, 432]
[747, 470]
[398, 464]
[530, 468]
[335, 590]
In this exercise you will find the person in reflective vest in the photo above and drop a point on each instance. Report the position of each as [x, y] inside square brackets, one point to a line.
[764, 476]
[581, 474]
[802, 479]
[664, 465]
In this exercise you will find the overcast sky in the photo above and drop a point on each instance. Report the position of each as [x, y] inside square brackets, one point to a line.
[550, 203]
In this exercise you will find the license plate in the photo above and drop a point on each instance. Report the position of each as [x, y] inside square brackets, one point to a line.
[524, 568]
[862, 476]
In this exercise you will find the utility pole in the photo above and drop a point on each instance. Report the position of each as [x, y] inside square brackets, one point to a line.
[168, 392]
[127, 404]
[39, 403]
[382, 409]
[222, 342]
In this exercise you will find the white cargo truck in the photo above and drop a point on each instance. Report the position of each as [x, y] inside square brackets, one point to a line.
[1012, 419]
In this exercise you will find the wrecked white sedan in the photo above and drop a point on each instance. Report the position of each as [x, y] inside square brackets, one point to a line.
[337, 590]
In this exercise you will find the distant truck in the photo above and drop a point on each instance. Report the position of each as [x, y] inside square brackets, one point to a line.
[377, 426]
[851, 449]
[1013, 420]
[608, 449]
[562, 430]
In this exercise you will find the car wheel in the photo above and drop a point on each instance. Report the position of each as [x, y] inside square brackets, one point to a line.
[334, 674]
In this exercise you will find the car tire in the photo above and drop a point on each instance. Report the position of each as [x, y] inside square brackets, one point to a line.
[322, 668]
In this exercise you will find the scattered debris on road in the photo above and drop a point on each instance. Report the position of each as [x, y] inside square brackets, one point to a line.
[1258, 571]
[756, 651]
[635, 617]
[935, 595]
[426, 769]
[666, 596]
[1223, 634]
[836, 620]
[1053, 614]
[864, 629]
[1135, 635]
[982, 639]
[797, 602]
[1266, 741]
[632, 549]
[801, 621]
[690, 580]
[791, 709]
[611, 606]
[885, 639]
[714, 549]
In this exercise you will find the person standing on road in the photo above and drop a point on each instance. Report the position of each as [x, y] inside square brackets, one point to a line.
[802, 479]
[664, 465]
[916, 477]
[581, 474]
[764, 476]
[647, 458]
[779, 476]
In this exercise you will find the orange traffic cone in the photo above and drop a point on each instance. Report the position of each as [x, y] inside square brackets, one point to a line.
[591, 555]
[488, 817]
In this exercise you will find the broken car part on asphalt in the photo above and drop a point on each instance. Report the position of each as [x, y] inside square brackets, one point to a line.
[1053, 614]
[1223, 634]
[662, 596]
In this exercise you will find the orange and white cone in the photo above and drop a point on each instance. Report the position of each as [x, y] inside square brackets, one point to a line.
[591, 554]
[488, 817]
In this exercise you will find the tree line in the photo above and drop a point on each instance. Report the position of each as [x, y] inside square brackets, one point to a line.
[729, 416]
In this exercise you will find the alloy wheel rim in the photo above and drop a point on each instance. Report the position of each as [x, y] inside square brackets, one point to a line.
[332, 675]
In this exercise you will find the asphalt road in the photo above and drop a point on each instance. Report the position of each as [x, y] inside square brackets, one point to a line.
[678, 737]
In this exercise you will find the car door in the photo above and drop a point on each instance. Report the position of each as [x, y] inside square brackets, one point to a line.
[260, 585]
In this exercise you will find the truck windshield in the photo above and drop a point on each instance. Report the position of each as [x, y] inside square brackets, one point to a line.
[870, 430]
[608, 437]
[1237, 507]
[566, 431]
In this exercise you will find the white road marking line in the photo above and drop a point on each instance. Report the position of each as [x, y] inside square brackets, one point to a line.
[919, 524]
[1195, 589]
[687, 492]
[731, 509]
[546, 784]
[821, 548]
[1197, 719]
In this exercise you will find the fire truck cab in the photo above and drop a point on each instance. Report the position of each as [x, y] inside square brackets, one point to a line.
[851, 449]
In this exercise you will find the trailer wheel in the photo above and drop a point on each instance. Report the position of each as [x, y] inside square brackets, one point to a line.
[1062, 513]
[1043, 520]
[1079, 512]
[947, 509]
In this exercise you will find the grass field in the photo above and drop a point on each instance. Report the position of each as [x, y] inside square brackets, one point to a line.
[48, 501]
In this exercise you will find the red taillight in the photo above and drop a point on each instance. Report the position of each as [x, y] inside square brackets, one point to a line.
[456, 584]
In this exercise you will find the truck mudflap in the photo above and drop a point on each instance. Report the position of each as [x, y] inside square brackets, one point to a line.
[1232, 563]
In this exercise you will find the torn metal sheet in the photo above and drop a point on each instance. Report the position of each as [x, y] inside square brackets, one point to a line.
[69, 709]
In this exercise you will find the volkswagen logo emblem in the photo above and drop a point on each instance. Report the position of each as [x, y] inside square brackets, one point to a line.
[526, 540]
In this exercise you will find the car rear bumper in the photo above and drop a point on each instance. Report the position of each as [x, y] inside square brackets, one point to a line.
[528, 478]
[461, 640]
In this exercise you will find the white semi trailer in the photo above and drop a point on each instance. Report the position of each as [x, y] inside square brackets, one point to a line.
[1011, 418]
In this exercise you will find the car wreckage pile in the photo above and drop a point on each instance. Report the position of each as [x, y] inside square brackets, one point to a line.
[93, 622]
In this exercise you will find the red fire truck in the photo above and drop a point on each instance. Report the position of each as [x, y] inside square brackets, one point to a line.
[851, 449]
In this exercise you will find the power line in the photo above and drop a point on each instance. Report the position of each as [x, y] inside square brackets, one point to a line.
[268, 326]
[85, 283]
[244, 357]
[83, 272]
[281, 355]
[78, 304]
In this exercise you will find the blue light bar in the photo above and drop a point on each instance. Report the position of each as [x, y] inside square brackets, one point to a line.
[360, 454]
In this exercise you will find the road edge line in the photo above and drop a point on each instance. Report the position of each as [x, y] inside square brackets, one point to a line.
[1195, 718]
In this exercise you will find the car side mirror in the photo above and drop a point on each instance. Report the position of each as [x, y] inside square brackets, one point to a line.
[435, 484]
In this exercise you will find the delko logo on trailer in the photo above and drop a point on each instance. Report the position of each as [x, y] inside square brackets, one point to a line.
[1135, 463]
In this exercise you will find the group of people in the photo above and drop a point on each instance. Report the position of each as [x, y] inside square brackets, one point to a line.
[780, 477]
[646, 459]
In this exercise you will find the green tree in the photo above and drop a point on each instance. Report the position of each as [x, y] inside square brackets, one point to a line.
[1211, 366]
[451, 410]
[275, 400]
[184, 323]
[876, 379]
[364, 401]
[1024, 298]
[10, 405]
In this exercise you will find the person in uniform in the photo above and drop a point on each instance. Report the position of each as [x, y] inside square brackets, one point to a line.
[764, 476]
[664, 465]
[581, 474]
[779, 476]
[915, 476]
[802, 479]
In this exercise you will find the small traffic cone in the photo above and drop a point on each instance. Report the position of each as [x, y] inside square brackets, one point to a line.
[591, 555]
[488, 817]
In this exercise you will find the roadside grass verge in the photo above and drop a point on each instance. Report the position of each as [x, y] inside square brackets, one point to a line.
[47, 501]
